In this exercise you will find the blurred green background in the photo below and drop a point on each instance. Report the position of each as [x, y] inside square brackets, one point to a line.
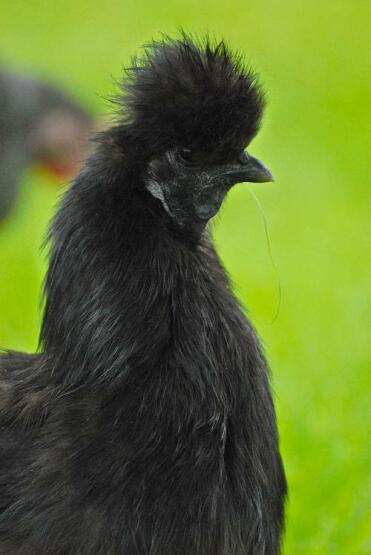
[314, 60]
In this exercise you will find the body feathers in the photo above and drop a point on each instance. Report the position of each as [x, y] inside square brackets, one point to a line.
[145, 425]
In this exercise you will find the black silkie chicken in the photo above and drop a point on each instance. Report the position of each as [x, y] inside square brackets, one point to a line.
[39, 124]
[145, 426]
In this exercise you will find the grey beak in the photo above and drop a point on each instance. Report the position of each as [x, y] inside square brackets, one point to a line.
[249, 169]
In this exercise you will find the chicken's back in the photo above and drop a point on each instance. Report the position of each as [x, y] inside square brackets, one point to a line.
[23, 407]
[24, 393]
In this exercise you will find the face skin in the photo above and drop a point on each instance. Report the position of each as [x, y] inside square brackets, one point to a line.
[192, 191]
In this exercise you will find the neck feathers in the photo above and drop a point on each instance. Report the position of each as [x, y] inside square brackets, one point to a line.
[115, 282]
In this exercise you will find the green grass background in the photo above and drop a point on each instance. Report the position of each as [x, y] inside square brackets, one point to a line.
[313, 57]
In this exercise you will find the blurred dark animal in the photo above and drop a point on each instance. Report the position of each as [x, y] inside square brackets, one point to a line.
[145, 425]
[39, 124]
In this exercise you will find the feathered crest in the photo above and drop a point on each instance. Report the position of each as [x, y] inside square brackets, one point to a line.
[183, 92]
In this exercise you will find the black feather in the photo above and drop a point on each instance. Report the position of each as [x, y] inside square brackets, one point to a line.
[192, 94]
[146, 424]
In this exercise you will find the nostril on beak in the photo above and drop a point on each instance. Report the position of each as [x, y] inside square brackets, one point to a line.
[244, 159]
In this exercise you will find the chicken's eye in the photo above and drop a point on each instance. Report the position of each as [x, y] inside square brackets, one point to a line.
[186, 156]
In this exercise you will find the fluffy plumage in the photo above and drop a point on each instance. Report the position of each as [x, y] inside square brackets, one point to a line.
[145, 425]
[199, 96]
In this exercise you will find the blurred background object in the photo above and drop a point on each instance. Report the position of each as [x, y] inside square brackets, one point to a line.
[313, 58]
[39, 124]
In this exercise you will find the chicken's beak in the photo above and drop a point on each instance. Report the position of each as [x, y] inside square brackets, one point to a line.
[248, 169]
